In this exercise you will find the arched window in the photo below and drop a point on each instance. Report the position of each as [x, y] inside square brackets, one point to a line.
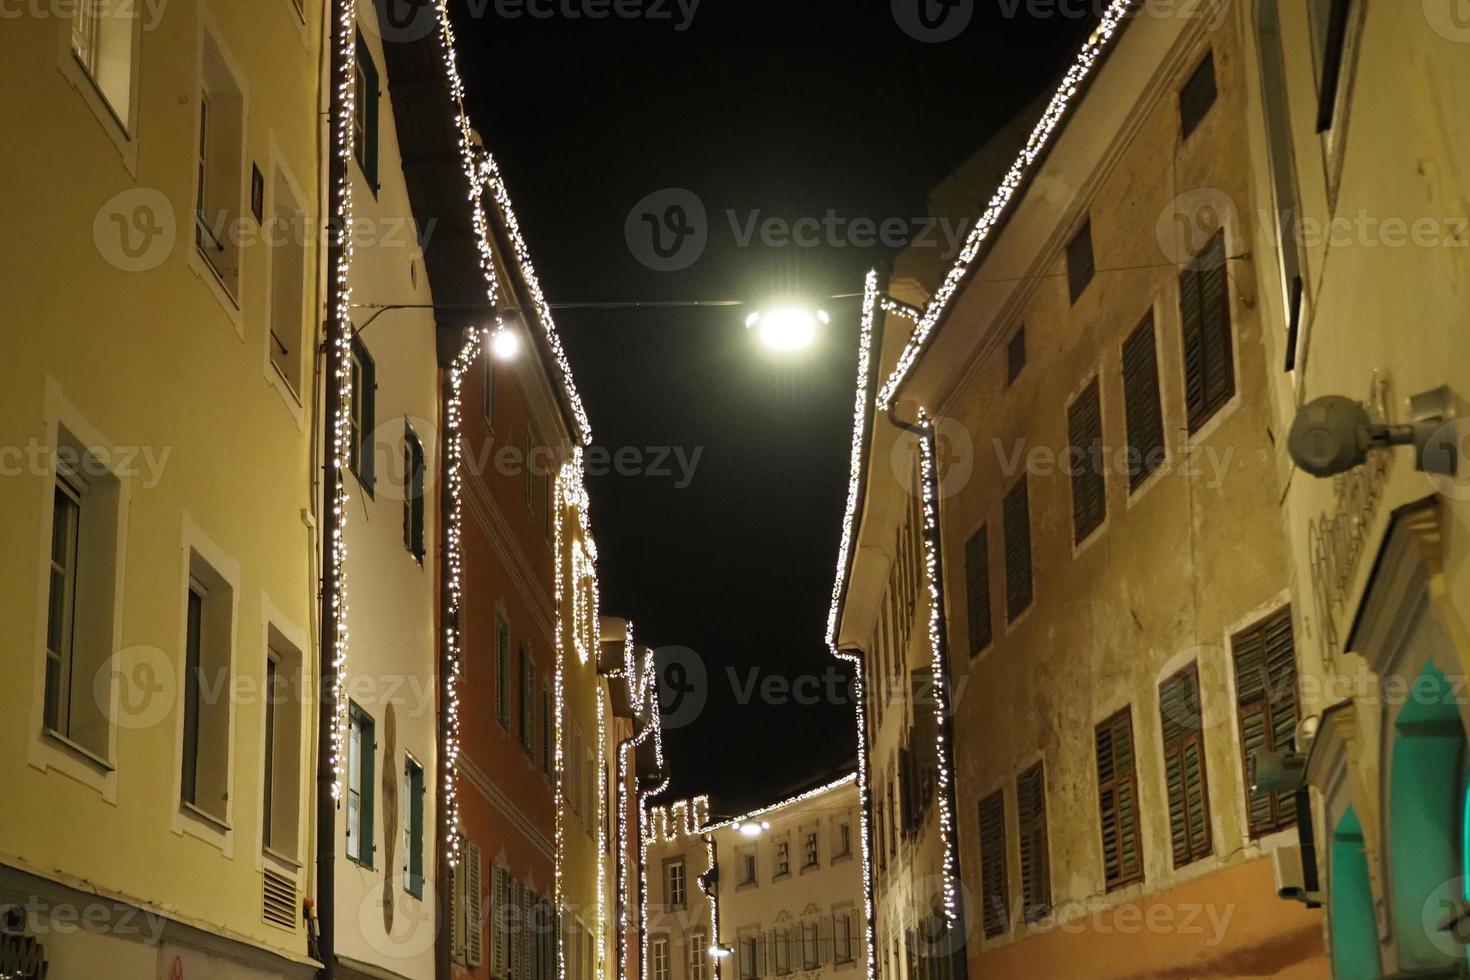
[1350, 905]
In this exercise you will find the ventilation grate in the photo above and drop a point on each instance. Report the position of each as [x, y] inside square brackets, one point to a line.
[279, 904]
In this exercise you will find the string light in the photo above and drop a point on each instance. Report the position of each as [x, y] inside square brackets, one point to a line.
[1056, 110]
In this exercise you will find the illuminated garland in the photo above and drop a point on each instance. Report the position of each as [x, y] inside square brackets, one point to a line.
[938, 662]
[341, 358]
[792, 801]
[1041, 134]
[856, 462]
[900, 308]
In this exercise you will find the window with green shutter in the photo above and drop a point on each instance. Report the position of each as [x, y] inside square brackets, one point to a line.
[977, 588]
[1204, 314]
[1142, 410]
[1117, 796]
[1016, 514]
[361, 786]
[1035, 862]
[1184, 767]
[1085, 457]
[362, 415]
[1266, 698]
[413, 827]
[366, 93]
[993, 889]
[413, 493]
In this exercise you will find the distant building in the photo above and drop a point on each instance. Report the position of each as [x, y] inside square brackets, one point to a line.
[1358, 154]
[786, 898]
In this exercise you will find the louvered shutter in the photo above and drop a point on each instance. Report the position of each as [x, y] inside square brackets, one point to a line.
[1184, 767]
[474, 906]
[1141, 405]
[977, 589]
[528, 934]
[993, 864]
[1017, 519]
[1089, 486]
[1209, 364]
[1117, 788]
[1035, 862]
[1266, 696]
[458, 893]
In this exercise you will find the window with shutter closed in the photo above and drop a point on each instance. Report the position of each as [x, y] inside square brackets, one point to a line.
[500, 898]
[1016, 513]
[1266, 697]
[474, 909]
[1085, 456]
[502, 672]
[1204, 313]
[1142, 410]
[977, 588]
[413, 493]
[1035, 863]
[993, 891]
[1117, 796]
[1184, 767]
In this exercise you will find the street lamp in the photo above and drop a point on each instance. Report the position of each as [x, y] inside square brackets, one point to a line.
[787, 328]
[750, 828]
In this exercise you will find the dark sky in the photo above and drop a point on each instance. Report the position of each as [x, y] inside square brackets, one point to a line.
[786, 109]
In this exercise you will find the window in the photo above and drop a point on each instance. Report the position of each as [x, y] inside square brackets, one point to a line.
[1204, 313]
[361, 750]
[287, 241]
[675, 885]
[1035, 862]
[502, 672]
[811, 953]
[1142, 411]
[528, 702]
[747, 868]
[977, 589]
[749, 951]
[365, 114]
[102, 44]
[810, 853]
[81, 595]
[993, 891]
[1117, 794]
[1015, 355]
[280, 826]
[844, 841]
[413, 494]
[363, 415]
[843, 936]
[208, 638]
[546, 726]
[1184, 767]
[660, 958]
[468, 940]
[698, 955]
[220, 178]
[528, 479]
[782, 951]
[783, 858]
[1197, 95]
[413, 827]
[1085, 456]
[1016, 513]
[1266, 697]
[1332, 23]
[1079, 260]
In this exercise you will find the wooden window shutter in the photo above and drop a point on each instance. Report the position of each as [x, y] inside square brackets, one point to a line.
[1141, 406]
[1117, 792]
[1085, 455]
[502, 672]
[1266, 697]
[458, 894]
[977, 589]
[1035, 861]
[993, 892]
[474, 953]
[1204, 314]
[1184, 767]
[1017, 520]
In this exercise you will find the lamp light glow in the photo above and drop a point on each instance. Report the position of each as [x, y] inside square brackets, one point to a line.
[505, 344]
[787, 328]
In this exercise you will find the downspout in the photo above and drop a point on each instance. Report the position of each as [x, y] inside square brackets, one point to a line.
[443, 873]
[326, 805]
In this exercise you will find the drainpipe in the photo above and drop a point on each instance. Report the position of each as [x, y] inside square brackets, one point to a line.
[443, 873]
[326, 805]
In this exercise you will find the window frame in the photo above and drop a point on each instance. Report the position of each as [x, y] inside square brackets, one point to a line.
[415, 487]
[1123, 716]
[367, 96]
[1204, 70]
[414, 789]
[1175, 752]
[1080, 276]
[1143, 464]
[364, 767]
[1018, 602]
[362, 415]
[1088, 479]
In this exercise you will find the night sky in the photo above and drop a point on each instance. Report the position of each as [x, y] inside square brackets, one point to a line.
[764, 110]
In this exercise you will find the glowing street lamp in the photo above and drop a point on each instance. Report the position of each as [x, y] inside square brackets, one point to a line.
[504, 343]
[787, 328]
[751, 828]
